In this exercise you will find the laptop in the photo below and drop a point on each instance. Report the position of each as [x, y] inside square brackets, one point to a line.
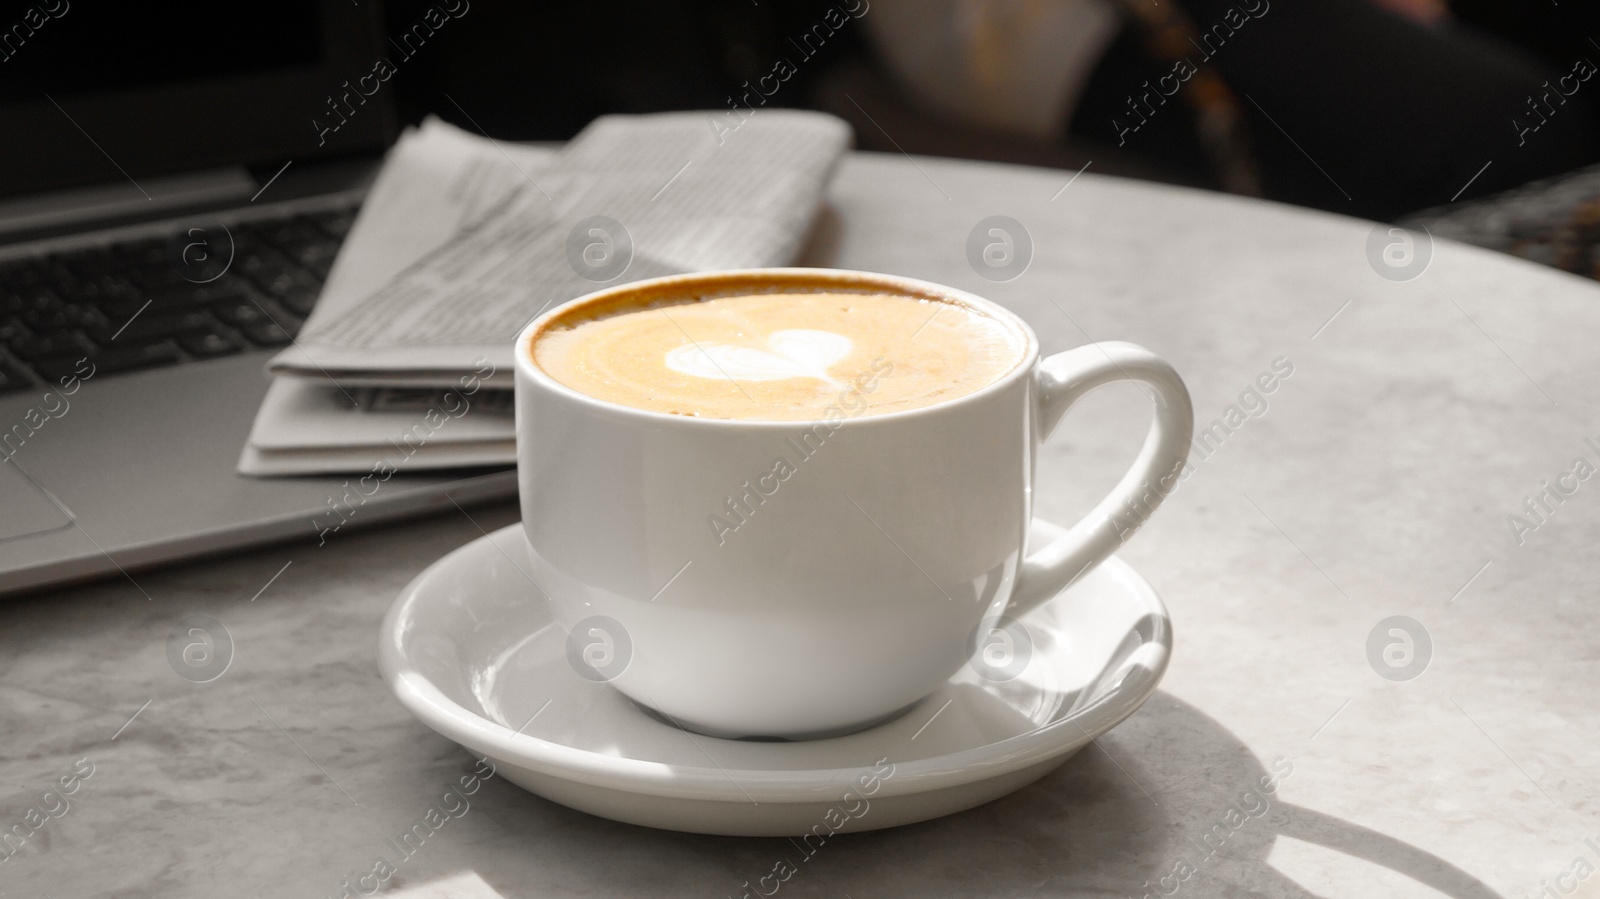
[175, 180]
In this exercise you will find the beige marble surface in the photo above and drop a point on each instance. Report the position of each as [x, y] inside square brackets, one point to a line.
[1377, 483]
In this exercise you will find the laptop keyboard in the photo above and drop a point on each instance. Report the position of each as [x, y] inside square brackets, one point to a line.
[135, 305]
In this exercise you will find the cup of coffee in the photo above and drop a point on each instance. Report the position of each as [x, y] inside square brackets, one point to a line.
[784, 502]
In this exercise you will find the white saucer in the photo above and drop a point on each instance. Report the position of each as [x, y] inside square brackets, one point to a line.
[471, 649]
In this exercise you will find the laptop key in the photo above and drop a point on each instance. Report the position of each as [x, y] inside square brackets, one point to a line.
[252, 256]
[63, 318]
[290, 234]
[30, 298]
[159, 278]
[128, 358]
[208, 344]
[241, 313]
[26, 274]
[46, 321]
[229, 284]
[109, 293]
[186, 295]
[152, 325]
[321, 268]
[54, 368]
[299, 301]
[337, 224]
[32, 349]
[275, 277]
[120, 309]
[177, 297]
[267, 335]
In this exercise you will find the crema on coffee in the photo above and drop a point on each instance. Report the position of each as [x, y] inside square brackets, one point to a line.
[784, 356]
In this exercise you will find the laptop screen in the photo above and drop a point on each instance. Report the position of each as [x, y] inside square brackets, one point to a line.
[131, 46]
[89, 88]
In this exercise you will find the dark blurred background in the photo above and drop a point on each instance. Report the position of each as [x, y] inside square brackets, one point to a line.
[1477, 119]
[1375, 108]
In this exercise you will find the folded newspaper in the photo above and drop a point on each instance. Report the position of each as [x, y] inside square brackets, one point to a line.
[407, 358]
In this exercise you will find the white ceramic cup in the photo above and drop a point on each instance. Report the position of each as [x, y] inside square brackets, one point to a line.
[847, 580]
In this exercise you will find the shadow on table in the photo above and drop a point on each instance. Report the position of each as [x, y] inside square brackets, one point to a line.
[1157, 807]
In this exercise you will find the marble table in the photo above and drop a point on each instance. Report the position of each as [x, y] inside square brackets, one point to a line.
[1453, 750]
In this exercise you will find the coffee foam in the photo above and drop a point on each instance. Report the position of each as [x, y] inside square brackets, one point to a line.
[778, 354]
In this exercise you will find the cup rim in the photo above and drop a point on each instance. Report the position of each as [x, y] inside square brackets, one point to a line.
[800, 276]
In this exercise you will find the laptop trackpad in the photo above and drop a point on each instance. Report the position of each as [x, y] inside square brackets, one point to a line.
[29, 510]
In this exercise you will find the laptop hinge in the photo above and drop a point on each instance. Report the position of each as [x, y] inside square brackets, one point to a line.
[86, 206]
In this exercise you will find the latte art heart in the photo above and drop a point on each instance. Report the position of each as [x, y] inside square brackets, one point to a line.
[791, 353]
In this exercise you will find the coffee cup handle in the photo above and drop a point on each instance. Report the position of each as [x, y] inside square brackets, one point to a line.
[1059, 381]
